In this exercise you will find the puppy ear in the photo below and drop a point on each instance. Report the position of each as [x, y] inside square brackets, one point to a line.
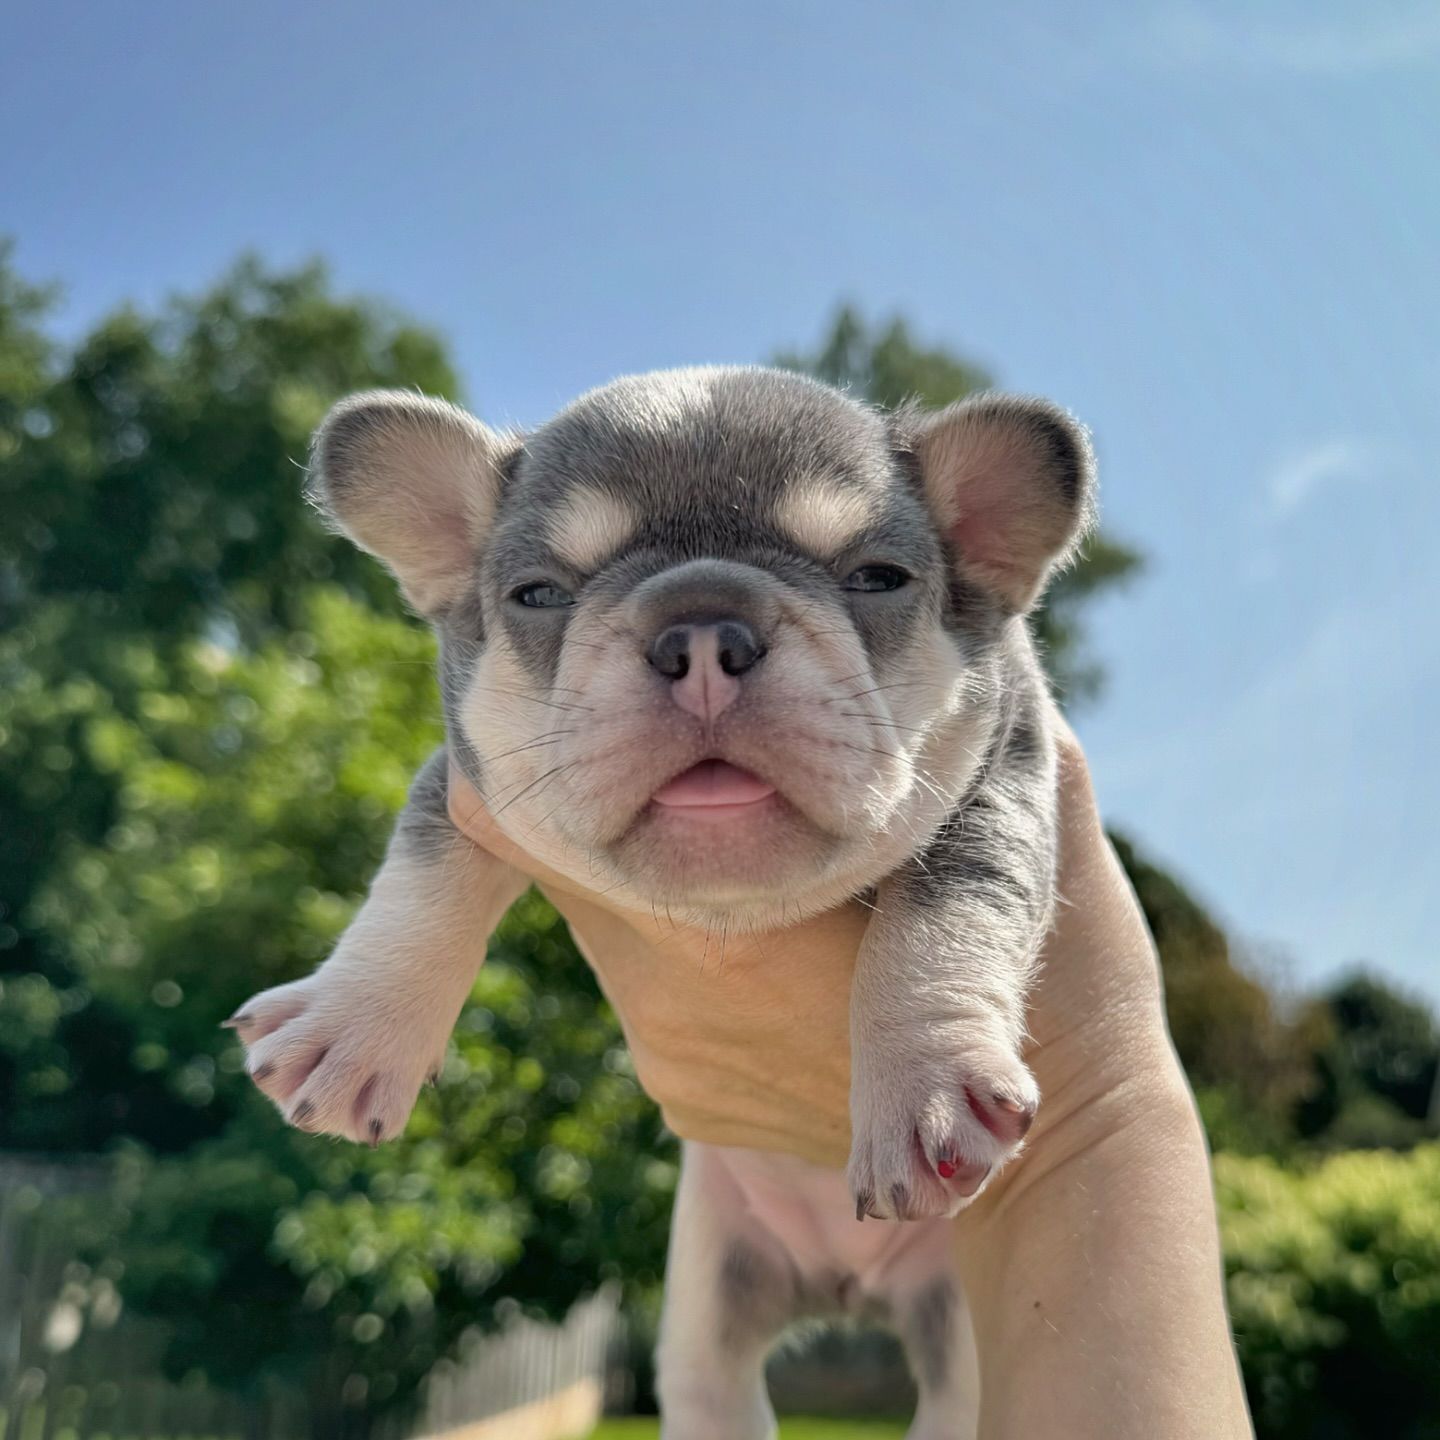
[1011, 480]
[413, 481]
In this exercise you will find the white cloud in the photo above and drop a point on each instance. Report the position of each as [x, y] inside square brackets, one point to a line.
[1364, 40]
[1301, 473]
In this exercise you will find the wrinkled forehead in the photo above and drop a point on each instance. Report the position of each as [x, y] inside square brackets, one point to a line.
[694, 458]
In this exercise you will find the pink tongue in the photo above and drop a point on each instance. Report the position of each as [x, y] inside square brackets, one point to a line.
[713, 782]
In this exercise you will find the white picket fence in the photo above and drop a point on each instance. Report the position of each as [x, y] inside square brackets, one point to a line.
[71, 1366]
[531, 1381]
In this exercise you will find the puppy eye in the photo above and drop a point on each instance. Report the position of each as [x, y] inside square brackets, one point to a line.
[542, 597]
[872, 578]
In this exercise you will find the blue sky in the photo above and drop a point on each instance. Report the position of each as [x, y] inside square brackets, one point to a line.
[1212, 237]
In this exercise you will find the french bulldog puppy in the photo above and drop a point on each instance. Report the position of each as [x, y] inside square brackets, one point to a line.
[727, 647]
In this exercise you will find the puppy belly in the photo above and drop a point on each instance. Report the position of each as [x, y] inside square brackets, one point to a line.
[809, 1211]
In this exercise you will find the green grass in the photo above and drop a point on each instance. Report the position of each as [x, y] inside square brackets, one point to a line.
[791, 1428]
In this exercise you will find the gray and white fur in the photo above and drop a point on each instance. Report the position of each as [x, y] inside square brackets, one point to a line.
[740, 566]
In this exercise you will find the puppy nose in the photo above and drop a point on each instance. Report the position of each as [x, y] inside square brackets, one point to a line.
[705, 663]
[732, 643]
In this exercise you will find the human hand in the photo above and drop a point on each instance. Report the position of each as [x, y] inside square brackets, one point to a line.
[1092, 1263]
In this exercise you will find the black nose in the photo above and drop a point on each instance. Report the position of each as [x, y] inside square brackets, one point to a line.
[737, 649]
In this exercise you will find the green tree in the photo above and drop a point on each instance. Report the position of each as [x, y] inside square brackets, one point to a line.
[1376, 1067]
[885, 365]
[158, 481]
[152, 477]
[1251, 1066]
[257, 789]
[1333, 1274]
[209, 712]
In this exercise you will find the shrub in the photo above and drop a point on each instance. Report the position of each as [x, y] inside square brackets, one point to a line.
[1334, 1285]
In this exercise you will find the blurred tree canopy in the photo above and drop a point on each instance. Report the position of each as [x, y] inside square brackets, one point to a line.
[209, 712]
[1333, 1273]
[1377, 1067]
[1251, 1065]
[258, 789]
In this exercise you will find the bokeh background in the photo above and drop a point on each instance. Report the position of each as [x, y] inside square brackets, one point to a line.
[1208, 230]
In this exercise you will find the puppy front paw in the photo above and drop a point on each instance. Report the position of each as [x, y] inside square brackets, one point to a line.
[932, 1123]
[339, 1057]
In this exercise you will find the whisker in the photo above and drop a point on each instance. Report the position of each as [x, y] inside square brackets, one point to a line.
[877, 723]
[538, 700]
[876, 689]
[539, 780]
[551, 737]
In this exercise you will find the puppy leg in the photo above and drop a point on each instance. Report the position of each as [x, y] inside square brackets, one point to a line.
[729, 1290]
[934, 1323]
[941, 1096]
[346, 1050]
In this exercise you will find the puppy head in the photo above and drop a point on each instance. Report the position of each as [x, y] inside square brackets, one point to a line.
[720, 641]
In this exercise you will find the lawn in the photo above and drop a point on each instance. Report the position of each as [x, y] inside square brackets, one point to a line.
[791, 1428]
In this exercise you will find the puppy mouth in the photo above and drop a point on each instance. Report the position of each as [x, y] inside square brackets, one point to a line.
[718, 834]
[713, 790]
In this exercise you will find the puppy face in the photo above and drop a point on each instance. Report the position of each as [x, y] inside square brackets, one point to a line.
[709, 639]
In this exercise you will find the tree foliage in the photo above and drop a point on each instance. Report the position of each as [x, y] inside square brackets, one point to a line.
[210, 712]
[1377, 1067]
[1251, 1064]
[152, 479]
[258, 789]
[1333, 1274]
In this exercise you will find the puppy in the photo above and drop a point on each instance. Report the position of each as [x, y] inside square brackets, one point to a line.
[729, 650]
